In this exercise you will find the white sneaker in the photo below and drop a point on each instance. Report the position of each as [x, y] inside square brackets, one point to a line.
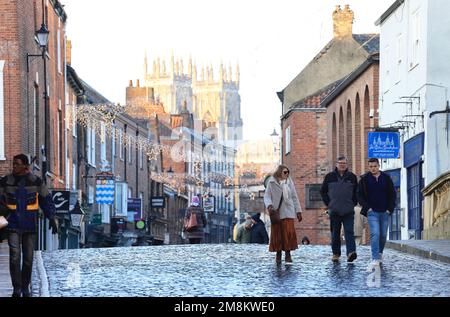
[373, 265]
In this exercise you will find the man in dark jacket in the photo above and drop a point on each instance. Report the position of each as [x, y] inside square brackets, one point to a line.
[339, 195]
[259, 232]
[377, 195]
[22, 193]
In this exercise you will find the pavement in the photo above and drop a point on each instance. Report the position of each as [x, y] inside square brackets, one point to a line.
[228, 270]
[5, 279]
[432, 249]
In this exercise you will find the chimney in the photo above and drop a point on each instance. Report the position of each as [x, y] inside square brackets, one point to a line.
[137, 83]
[131, 83]
[69, 52]
[343, 22]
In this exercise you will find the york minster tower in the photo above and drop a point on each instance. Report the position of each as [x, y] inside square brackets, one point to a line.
[215, 101]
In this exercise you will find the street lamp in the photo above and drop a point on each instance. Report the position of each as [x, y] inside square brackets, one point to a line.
[76, 215]
[43, 35]
[275, 140]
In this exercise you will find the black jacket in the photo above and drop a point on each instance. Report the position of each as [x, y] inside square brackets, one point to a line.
[259, 233]
[340, 193]
[363, 194]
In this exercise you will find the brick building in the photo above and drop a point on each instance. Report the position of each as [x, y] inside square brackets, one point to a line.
[352, 110]
[25, 119]
[305, 124]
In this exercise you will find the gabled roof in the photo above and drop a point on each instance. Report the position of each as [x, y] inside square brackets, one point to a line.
[92, 95]
[74, 81]
[375, 58]
[315, 100]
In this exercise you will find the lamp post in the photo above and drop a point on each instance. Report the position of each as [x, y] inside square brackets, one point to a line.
[275, 141]
[42, 35]
[76, 215]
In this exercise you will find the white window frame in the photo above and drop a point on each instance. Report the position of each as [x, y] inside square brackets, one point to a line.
[415, 39]
[105, 210]
[288, 140]
[74, 176]
[74, 116]
[58, 50]
[91, 145]
[129, 157]
[102, 142]
[121, 199]
[399, 61]
[121, 148]
[141, 158]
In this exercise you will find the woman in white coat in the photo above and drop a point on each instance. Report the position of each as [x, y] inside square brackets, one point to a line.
[281, 194]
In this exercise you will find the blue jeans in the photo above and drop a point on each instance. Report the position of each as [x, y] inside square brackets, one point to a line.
[335, 225]
[378, 224]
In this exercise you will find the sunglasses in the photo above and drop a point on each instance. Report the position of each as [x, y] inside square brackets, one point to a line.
[285, 172]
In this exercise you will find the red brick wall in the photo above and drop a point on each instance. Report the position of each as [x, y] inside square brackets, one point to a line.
[352, 139]
[9, 52]
[17, 39]
[307, 162]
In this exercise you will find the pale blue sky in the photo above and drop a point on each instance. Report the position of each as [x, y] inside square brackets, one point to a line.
[271, 40]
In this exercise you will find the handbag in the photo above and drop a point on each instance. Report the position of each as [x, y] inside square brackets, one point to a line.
[3, 222]
[191, 223]
[275, 214]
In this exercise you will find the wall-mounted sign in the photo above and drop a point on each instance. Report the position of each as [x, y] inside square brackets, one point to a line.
[158, 202]
[61, 199]
[384, 145]
[209, 204]
[134, 209]
[104, 193]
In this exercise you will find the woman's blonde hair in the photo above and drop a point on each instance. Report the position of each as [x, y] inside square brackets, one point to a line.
[279, 171]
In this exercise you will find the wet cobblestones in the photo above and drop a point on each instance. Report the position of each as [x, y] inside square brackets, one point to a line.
[236, 270]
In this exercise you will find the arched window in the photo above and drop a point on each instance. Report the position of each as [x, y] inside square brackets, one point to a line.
[341, 132]
[349, 136]
[359, 156]
[334, 153]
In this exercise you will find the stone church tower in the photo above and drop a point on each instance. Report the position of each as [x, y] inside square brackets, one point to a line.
[216, 102]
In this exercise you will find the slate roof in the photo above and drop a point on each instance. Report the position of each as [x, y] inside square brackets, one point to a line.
[370, 42]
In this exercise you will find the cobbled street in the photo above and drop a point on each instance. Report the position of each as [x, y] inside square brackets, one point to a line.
[236, 270]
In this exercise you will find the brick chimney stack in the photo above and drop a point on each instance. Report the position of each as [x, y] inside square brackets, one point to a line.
[342, 22]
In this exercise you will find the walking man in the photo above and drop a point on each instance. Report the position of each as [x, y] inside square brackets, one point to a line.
[244, 233]
[339, 190]
[22, 193]
[377, 195]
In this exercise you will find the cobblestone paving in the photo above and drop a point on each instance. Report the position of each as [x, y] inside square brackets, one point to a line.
[237, 270]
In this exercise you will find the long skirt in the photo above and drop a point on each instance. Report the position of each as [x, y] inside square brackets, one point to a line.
[283, 236]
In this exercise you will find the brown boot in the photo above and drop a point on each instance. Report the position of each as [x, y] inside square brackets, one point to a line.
[278, 257]
[288, 258]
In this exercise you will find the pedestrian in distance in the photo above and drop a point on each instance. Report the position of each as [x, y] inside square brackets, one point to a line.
[244, 233]
[305, 240]
[377, 196]
[339, 194]
[22, 193]
[258, 232]
[281, 195]
[195, 234]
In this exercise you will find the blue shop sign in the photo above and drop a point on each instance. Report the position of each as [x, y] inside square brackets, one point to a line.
[413, 150]
[384, 145]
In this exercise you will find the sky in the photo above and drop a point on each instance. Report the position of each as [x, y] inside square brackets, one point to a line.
[272, 40]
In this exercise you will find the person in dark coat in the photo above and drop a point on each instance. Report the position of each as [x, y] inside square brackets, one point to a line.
[259, 232]
[197, 234]
[339, 194]
[377, 196]
[21, 195]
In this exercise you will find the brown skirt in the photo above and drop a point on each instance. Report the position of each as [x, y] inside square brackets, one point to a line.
[283, 236]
